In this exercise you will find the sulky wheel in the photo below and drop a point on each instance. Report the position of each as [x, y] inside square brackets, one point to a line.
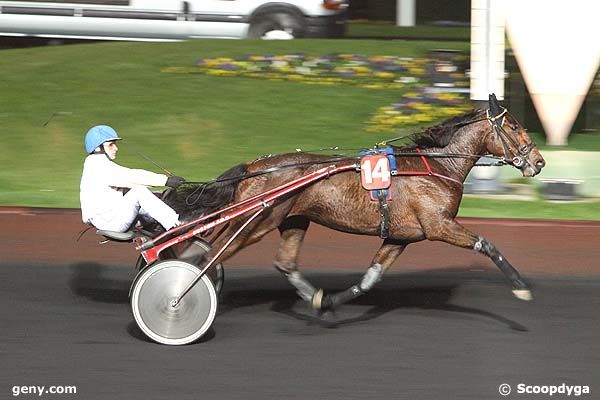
[219, 278]
[216, 273]
[152, 299]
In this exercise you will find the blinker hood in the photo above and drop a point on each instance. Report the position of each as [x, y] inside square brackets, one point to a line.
[495, 108]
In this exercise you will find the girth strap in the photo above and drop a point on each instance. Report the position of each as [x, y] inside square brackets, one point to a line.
[384, 214]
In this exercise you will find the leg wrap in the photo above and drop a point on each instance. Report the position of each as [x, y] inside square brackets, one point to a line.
[372, 276]
[331, 301]
[485, 247]
[304, 289]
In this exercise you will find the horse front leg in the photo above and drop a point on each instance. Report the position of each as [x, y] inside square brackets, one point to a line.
[383, 259]
[452, 232]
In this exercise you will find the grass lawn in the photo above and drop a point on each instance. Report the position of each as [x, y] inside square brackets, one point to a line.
[390, 30]
[537, 209]
[577, 141]
[194, 125]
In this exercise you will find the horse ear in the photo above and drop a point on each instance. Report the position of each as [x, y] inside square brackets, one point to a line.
[495, 108]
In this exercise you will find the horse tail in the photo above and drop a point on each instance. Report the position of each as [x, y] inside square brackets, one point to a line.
[193, 201]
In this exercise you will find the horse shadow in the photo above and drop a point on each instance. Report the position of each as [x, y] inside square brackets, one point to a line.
[430, 290]
[101, 284]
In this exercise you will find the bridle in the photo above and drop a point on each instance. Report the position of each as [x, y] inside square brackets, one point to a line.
[519, 157]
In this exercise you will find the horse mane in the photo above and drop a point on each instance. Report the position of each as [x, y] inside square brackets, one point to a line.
[438, 136]
[193, 200]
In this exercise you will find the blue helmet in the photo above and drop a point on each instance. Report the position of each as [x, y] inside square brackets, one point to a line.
[98, 135]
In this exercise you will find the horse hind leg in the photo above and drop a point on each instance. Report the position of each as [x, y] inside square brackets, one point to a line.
[196, 252]
[383, 259]
[453, 233]
[293, 229]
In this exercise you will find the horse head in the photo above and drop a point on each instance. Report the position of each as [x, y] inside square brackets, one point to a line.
[510, 140]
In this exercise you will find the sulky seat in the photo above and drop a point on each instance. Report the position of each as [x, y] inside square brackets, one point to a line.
[117, 236]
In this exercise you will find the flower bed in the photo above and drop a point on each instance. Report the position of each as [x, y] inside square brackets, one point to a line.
[409, 75]
[419, 107]
[385, 72]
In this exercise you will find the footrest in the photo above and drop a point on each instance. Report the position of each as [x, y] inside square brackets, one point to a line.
[118, 236]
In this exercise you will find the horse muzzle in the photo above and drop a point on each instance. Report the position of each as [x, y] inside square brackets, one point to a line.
[529, 168]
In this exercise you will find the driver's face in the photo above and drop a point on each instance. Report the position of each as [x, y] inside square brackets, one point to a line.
[111, 149]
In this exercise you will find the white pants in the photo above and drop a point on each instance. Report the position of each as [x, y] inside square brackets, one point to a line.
[138, 201]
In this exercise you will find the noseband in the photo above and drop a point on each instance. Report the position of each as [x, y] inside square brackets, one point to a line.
[520, 156]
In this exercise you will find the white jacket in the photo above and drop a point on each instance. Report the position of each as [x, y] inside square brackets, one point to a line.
[100, 180]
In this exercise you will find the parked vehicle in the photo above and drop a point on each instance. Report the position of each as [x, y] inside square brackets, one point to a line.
[173, 20]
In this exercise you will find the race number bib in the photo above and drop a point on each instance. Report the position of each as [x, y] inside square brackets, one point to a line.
[375, 172]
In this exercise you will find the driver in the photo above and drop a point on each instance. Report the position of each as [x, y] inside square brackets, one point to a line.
[103, 183]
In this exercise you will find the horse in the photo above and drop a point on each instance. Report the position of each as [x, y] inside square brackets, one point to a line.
[424, 207]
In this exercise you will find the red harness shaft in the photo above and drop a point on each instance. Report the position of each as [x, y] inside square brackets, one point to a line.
[150, 251]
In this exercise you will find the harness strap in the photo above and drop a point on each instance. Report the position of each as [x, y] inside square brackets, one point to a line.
[429, 171]
[492, 120]
[425, 162]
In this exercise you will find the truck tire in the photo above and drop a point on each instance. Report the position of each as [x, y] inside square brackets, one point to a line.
[280, 21]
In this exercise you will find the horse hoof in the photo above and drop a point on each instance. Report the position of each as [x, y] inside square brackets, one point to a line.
[523, 294]
[317, 300]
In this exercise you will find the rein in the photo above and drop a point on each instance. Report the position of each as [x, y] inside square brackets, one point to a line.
[519, 156]
[417, 153]
[197, 193]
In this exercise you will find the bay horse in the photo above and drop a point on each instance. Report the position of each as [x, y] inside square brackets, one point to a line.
[423, 207]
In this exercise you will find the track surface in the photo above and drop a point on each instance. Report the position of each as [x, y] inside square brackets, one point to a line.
[454, 332]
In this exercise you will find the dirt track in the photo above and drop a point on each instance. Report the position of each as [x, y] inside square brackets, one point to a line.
[534, 247]
[451, 332]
